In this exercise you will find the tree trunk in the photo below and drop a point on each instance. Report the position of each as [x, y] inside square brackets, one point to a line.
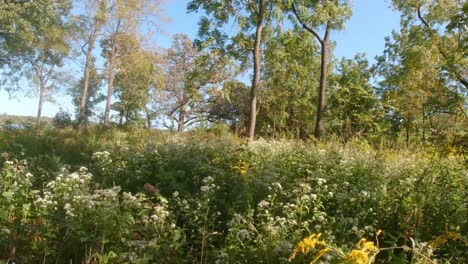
[39, 108]
[256, 76]
[323, 84]
[181, 119]
[110, 82]
[148, 120]
[423, 126]
[83, 119]
[407, 135]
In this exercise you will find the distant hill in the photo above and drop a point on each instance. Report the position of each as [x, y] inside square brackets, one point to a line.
[22, 120]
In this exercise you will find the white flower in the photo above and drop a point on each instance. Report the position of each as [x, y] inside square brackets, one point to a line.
[321, 181]
[68, 210]
[244, 234]
[365, 194]
[263, 204]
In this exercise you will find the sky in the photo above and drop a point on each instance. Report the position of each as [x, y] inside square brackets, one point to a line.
[365, 32]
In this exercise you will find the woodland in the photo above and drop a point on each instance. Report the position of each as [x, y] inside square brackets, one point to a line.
[251, 143]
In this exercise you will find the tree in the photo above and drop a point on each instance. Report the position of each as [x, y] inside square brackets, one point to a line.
[94, 96]
[62, 119]
[440, 24]
[354, 109]
[95, 20]
[182, 95]
[36, 46]
[252, 15]
[137, 74]
[291, 63]
[125, 18]
[231, 105]
[313, 16]
[417, 95]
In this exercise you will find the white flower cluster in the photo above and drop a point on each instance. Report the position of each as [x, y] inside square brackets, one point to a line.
[45, 201]
[101, 156]
[159, 215]
[208, 185]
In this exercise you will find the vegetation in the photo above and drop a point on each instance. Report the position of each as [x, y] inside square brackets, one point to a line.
[68, 196]
[310, 159]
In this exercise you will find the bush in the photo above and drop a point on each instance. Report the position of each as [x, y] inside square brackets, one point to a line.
[62, 119]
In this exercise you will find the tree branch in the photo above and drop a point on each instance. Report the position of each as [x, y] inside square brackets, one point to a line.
[460, 78]
[311, 30]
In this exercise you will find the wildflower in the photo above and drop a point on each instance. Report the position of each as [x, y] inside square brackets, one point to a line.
[244, 234]
[442, 239]
[263, 204]
[321, 181]
[320, 254]
[366, 251]
[357, 257]
[306, 244]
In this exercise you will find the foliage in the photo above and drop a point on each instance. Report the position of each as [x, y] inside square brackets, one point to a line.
[225, 201]
[62, 119]
[354, 110]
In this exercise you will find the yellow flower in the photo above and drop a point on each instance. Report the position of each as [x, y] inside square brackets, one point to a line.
[306, 244]
[366, 245]
[320, 254]
[357, 257]
[365, 250]
[442, 239]
[241, 168]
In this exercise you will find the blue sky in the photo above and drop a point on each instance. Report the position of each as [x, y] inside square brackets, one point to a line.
[371, 22]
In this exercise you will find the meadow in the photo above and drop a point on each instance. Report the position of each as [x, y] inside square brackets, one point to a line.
[79, 197]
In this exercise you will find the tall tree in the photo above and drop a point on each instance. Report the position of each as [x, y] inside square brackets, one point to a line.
[36, 46]
[95, 20]
[291, 59]
[124, 18]
[354, 110]
[314, 16]
[251, 17]
[137, 74]
[94, 96]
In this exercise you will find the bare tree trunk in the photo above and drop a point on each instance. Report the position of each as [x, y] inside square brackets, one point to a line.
[323, 84]
[407, 135]
[423, 126]
[257, 65]
[83, 119]
[181, 119]
[41, 101]
[110, 82]
[148, 120]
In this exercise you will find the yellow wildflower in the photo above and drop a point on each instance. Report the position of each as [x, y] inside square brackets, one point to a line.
[241, 168]
[306, 244]
[357, 257]
[320, 254]
[366, 245]
[366, 251]
[442, 239]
